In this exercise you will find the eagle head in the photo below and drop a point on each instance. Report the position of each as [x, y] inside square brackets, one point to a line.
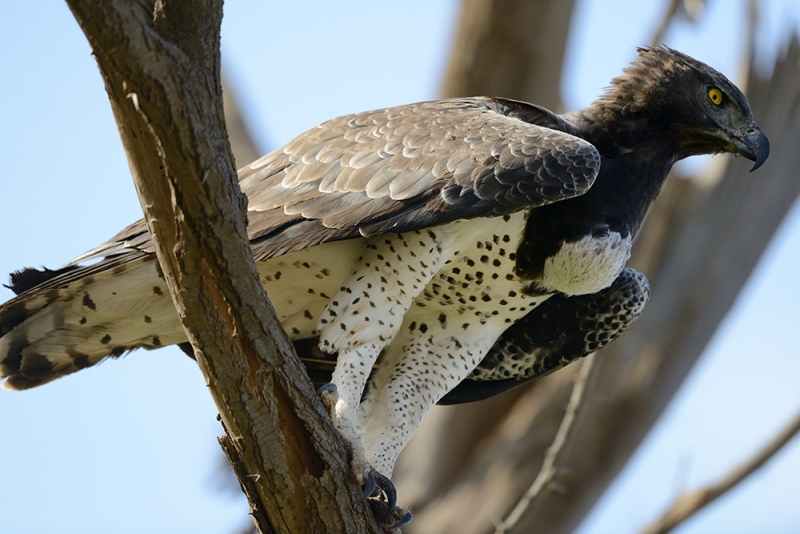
[685, 102]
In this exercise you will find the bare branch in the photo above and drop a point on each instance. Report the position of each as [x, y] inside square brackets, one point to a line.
[242, 143]
[686, 505]
[551, 469]
[666, 20]
[161, 68]
[689, 9]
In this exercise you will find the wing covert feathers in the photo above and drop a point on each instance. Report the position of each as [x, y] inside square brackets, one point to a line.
[415, 166]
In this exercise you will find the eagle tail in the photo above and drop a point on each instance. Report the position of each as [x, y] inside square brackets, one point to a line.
[75, 318]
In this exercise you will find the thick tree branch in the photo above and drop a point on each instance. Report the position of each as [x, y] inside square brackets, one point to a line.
[511, 48]
[161, 68]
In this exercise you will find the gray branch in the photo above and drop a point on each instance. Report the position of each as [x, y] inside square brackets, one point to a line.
[685, 506]
[551, 468]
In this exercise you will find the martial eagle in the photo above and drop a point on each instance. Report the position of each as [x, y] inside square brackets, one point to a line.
[440, 251]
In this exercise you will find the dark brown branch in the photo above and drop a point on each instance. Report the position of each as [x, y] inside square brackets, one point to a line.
[685, 506]
[162, 73]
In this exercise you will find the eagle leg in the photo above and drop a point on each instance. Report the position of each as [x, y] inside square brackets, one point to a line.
[343, 408]
[342, 400]
[417, 371]
[362, 472]
[359, 322]
[384, 503]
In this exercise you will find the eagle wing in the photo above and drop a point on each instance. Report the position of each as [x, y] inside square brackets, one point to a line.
[401, 169]
[413, 167]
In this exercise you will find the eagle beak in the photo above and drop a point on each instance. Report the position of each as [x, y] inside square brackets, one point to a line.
[754, 146]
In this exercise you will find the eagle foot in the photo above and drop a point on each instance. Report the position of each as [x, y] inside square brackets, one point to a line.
[383, 501]
[390, 516]
[384, 488]
[381, 495]
[368, 487]
[329, 394]
[377, 489]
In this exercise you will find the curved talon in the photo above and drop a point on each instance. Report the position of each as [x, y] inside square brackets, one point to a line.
[368, 487]
[387, 487]
[403, 521]
[328, 389]
[329, 394]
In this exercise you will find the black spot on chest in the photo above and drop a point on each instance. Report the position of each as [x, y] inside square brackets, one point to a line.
[88, 302]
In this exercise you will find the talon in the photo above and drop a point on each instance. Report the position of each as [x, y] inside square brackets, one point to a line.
[328, 389]
[329, 394]
[387, 487]
[403, 521]
[368, 487]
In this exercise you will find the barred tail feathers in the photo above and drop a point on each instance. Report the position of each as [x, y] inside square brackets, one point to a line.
[53, 330]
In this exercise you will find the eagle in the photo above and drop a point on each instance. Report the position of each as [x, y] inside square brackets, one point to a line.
[438, 252]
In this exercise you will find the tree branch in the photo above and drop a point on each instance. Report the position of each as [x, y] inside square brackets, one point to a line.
[551, 467]
[161, 68]
[689, 504]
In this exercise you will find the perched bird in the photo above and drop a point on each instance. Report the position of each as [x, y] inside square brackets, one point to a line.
[436, 252]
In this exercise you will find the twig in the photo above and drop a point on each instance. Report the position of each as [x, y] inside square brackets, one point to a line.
[550, 468]
[690, 10]
[689, 504]
[666, 20]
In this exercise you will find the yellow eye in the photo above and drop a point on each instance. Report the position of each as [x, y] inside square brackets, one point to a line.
[715, 95]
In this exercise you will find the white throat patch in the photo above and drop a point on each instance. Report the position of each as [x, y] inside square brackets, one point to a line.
[588, 265]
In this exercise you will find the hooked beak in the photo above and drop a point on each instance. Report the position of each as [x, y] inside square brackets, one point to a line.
[754, 146]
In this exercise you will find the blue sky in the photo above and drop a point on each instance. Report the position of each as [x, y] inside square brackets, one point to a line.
[130, 446]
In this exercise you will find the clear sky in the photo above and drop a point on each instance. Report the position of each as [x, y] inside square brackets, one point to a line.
[129, 447]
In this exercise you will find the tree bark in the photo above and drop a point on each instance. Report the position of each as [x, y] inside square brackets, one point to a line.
[161, 66]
